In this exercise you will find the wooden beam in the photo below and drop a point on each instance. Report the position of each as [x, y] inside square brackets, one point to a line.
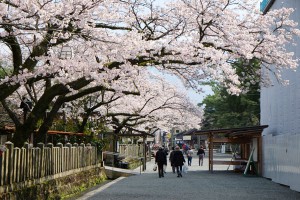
[220, 140]
[231, 140]
[227, 162]
[63, 133]
[137, 134]
[233, 131]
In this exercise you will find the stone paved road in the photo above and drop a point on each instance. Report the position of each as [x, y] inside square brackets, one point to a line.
[198, 183]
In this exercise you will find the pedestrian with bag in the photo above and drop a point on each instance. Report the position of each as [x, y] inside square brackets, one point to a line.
[178, 161]
[171, 160]
[201, 154]
[160, 160]
[167, 153]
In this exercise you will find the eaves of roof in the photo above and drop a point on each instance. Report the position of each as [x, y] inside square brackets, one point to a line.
[268, 6]
[234, 132]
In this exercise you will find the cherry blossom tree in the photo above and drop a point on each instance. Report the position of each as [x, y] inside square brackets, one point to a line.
[112, 40]
[159, 104]
[43, 119]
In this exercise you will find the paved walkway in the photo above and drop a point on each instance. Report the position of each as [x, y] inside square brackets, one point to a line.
[198, 183]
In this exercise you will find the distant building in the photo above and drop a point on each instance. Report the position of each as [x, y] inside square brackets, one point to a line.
[280, 109]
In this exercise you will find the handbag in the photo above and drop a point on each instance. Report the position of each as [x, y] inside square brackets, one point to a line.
[185, 168]
[155, 167]
[165, 167]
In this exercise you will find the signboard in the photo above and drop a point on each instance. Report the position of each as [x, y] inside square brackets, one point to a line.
[187, 137]
[150, 139]
[169, 135]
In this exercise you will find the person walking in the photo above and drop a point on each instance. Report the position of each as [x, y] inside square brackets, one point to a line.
[189, 155]
[160, 160]
[171, 160]
[178, 161]
[167, 153]
[201, 154]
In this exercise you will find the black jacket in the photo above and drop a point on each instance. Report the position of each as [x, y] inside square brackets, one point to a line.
[161, 157]
[171, 157]
[200, 151]
[178, 158]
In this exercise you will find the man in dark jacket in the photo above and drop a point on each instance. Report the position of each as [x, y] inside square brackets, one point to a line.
[201, 154]
[171, 159]
[178, 161]
[160, 160]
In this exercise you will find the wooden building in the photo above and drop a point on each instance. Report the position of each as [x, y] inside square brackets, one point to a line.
[248, 138]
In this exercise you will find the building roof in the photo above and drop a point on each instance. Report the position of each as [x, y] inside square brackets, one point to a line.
[234, 132]
[265, 5]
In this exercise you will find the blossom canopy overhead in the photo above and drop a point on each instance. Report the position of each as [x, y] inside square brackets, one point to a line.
[113, 41]
[193, 39]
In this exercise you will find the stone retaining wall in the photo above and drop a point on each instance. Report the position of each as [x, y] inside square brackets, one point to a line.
[60, 186]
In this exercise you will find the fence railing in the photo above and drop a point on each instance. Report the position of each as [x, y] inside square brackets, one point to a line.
[21, 164]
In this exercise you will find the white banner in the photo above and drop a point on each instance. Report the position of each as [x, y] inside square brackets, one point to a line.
[150, 139]
[187, 137]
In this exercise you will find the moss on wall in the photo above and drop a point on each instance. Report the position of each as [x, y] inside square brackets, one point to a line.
[134, 164]
[60, 188]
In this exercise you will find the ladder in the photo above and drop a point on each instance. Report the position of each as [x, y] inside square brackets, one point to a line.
[250, 162]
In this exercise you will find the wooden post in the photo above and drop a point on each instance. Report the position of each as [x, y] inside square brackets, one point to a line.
[41, 172]
[210, 147]
[82, 160]
[23, 164]
[89, 153]
[69, 156]
[51, 158]
[28, 164]
[59, 157]
[10, 150]
[145, 153]
[259, 155]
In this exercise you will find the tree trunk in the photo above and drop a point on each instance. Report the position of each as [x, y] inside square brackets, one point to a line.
[22, 134]
[83, 124]
[43, 130]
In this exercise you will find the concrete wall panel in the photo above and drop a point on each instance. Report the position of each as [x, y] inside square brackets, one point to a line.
[280, 109]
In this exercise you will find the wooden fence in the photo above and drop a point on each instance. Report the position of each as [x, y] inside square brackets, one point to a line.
[22, 164]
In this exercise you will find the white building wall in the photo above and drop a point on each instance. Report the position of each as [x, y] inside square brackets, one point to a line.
[280, 109]
[281, 159]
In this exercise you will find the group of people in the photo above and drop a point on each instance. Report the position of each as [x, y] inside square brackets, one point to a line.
[176, 159]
